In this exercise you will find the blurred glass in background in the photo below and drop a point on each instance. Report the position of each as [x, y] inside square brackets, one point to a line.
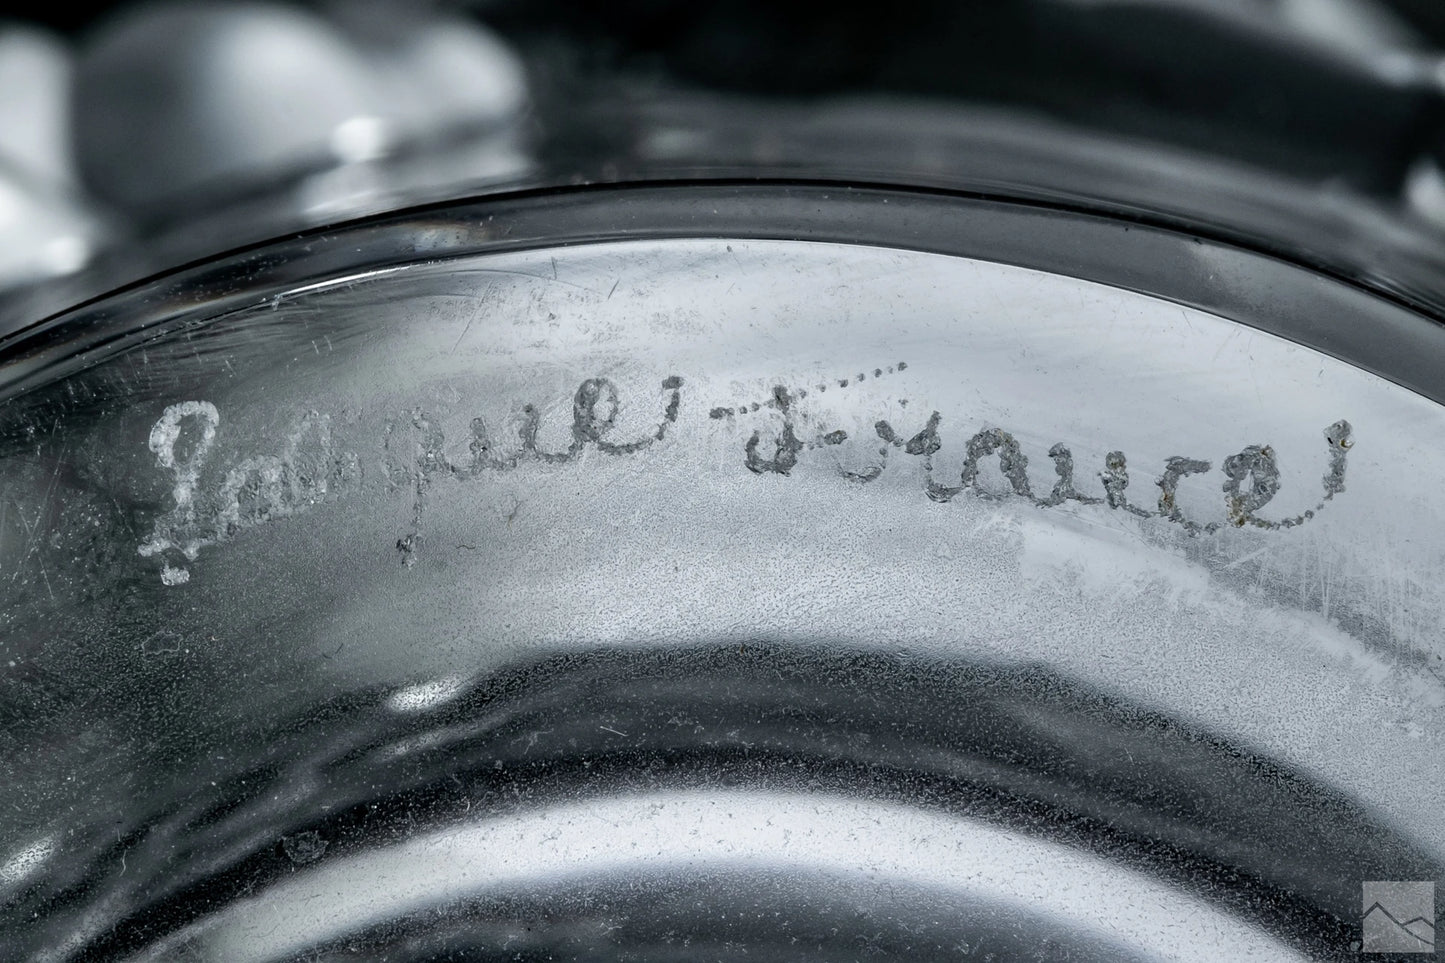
[141, 136]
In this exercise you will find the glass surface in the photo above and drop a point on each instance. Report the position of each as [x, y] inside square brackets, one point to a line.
[678, 590]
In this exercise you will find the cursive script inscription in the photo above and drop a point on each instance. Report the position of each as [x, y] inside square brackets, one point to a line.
[1256, 465]
[257, 489]
[308, 469]
[595, 407]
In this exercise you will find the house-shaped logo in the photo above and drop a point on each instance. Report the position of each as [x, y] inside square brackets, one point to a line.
[1399, 917]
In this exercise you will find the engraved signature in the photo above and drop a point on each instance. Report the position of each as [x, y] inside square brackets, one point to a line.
[309, 470]
[595, 407]
[1251, 476]
[254, 491]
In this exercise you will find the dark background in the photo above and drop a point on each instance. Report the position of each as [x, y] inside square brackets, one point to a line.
[1236, 78]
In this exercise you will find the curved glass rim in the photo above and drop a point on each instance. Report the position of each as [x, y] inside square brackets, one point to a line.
[1339, 317]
